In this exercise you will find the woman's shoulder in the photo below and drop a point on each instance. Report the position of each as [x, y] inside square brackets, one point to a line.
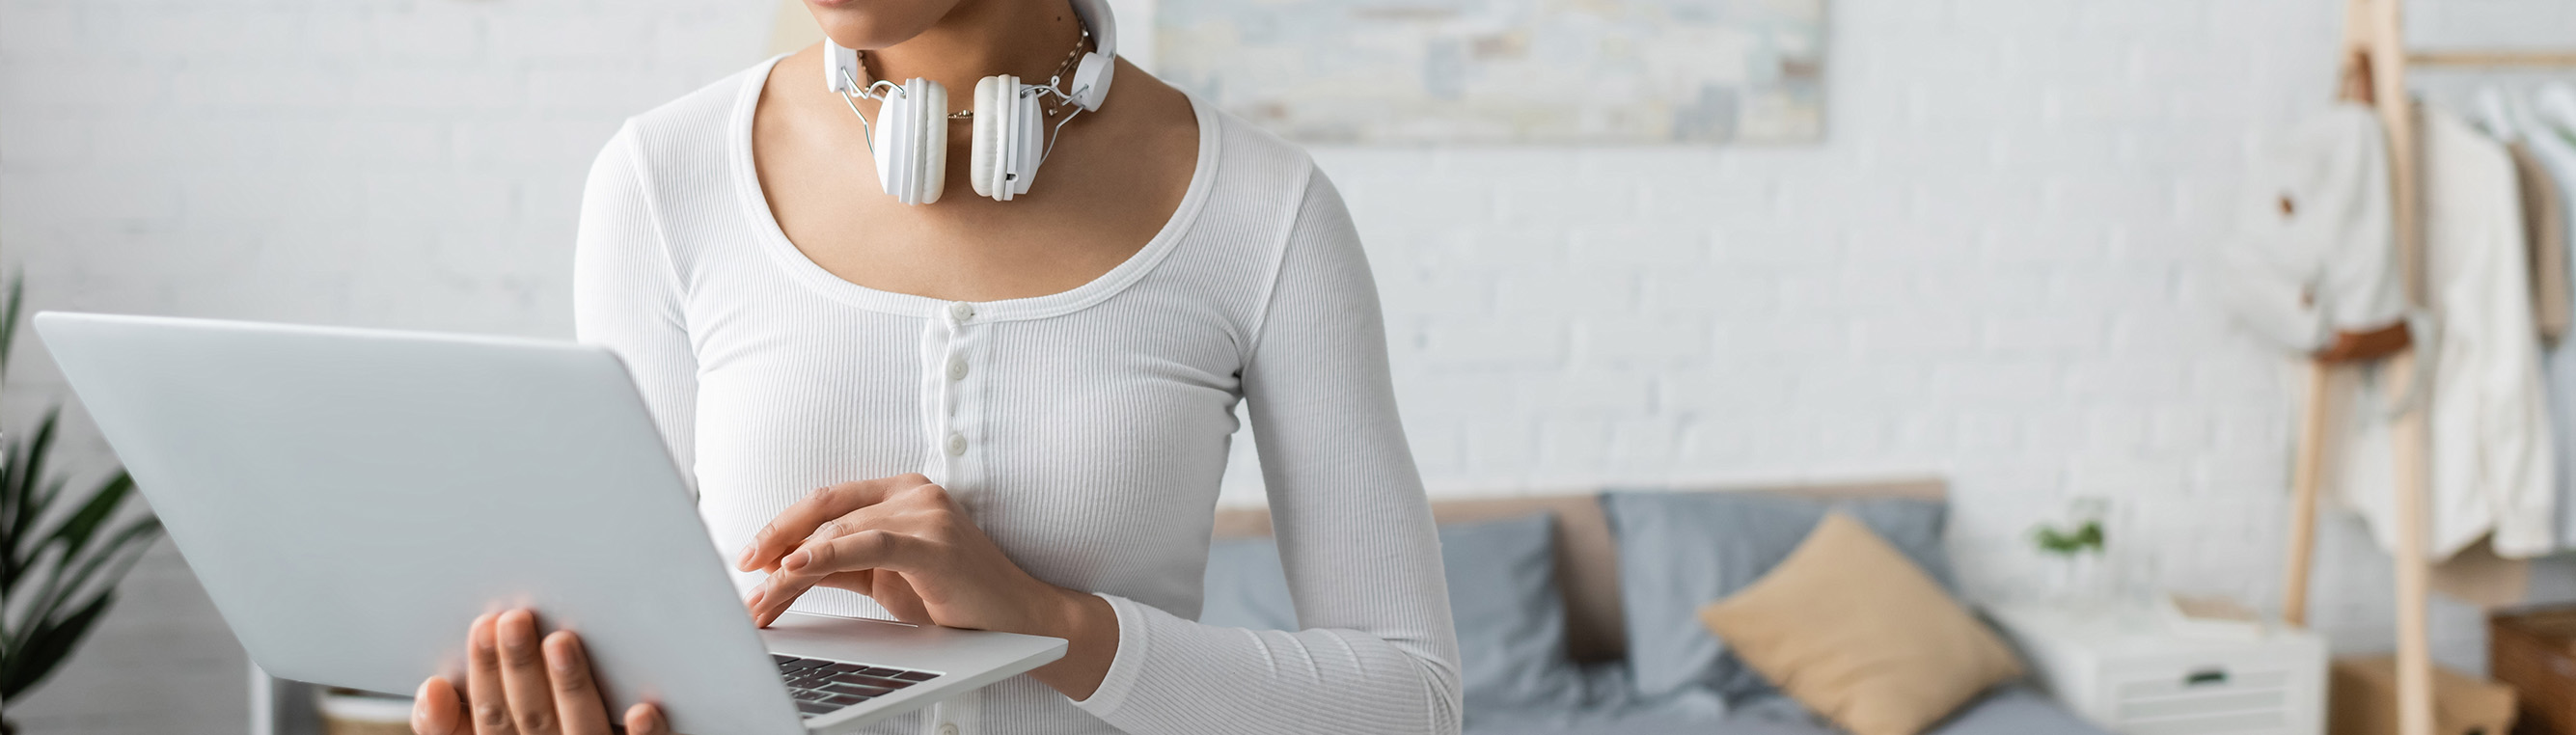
[680, 140]
[1269, 204]
[1251, 152]
[1258, 170]
[1252, 189]
[696, 122]
[713, 103]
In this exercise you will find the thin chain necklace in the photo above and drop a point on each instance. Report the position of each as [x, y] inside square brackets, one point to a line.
[1079, 45]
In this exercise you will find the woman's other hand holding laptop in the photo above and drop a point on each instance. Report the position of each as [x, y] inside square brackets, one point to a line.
[517, 684]
[904, 542]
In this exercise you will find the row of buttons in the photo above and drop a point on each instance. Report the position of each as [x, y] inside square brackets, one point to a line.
[961, 312]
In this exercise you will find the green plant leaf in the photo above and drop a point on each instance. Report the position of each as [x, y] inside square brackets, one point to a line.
[75, 532]
[78, 558]
[9, 319]
[19, 478]
[12, 503]
[2086, 538]
[33, 541]
[52, 642]
[12, 507]
[101, 571]
[26, 469]
[73, 571]
[136, 537]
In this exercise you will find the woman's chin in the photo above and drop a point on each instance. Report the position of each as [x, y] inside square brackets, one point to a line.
[876, 24]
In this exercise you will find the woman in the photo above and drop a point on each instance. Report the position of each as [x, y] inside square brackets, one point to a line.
[1018, 412]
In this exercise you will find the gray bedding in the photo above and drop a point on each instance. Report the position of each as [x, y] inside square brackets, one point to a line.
[2006, 711]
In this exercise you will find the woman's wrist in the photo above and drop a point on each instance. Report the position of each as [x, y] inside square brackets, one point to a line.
[1089, 626]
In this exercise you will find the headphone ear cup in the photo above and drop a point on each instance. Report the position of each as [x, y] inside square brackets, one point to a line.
[987, 161]
[1028, 132]
[912, 142]
[894, 136]
[930, 141]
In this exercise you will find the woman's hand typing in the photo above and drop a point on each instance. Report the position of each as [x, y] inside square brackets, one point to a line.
[905, 543]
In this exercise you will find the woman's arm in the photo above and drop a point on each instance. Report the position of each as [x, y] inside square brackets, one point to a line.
[1378, 654]
[626, 294]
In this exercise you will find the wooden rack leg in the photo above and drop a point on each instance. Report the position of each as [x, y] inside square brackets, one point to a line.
[2382, 27]
[2414, 573]
[2304, 480]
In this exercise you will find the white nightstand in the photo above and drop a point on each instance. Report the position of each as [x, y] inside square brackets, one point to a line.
[2122, 669]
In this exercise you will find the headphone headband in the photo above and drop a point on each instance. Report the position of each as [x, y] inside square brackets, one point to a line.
[1091, 79]
[840, 67]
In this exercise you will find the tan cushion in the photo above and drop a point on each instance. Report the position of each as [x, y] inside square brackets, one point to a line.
[1852, 629]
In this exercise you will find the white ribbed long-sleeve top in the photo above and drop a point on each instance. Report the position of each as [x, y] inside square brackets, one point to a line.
[1084, 431]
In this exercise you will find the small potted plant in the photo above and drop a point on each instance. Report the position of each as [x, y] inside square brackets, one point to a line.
[64, 548]
[2075, 549]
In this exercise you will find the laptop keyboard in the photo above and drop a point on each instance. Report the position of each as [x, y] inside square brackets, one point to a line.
[822, 687]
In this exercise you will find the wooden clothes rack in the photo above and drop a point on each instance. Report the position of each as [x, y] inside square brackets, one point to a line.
[2374, 37]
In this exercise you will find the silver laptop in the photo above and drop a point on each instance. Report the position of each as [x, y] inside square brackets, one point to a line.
[351, 499]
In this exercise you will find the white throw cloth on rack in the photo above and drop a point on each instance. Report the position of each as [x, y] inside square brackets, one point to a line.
[2314, 254]
[2491, 469]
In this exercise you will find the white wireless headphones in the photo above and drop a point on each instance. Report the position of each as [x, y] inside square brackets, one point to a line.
[909, 138]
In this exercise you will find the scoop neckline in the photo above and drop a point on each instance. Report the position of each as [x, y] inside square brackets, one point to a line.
[755, 203]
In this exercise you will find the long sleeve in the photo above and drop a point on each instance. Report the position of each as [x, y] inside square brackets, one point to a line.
[1377, 653]
[626, 294]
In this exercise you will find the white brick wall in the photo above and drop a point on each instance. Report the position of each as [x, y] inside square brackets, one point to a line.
[412, 163]
[1990, 270]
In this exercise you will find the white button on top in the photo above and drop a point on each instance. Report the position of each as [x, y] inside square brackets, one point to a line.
[961, 311]
[947, 728]
[956, 445]
[956, 368]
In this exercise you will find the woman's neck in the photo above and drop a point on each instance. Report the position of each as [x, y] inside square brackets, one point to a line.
[981, 38]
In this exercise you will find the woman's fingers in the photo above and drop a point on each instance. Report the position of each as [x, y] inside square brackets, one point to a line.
[435, 709]
[523, 675]
[791, 526]
[646, 719]
[896, 594]
[516, 684]
[800, 519]
[874, 548]
[892, 515]
[486, 703]
[892, 524]
[817, 560]
[577, 700]
[775, 594]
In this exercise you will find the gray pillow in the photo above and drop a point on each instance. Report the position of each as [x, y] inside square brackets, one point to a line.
[1681, 550]
[1502, 594]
